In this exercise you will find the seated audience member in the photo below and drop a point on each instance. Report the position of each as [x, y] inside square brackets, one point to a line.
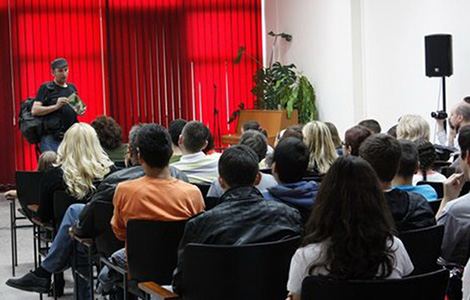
[258, 143]
[427, 157]
[459, 116]
[318, 139]
[350, 232]
[291, 131]
[110, 136]
[175, 129]
[45, 162]
[156, 196]
[409, 163]
[409, 210]
[244, 216]
[335, 137]
[454, 210]
[372, 124]
[199, 167]
[81, 165]
[254, 125]
[354, 137]
[413, 128]
[290, 162]
[80, 217]
[393, 131]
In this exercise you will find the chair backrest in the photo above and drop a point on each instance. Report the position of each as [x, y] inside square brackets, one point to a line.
[465, 189]
[210, 202]
[62, 201]
[435, 205]
[204, 188]
[28, 186]
[152, 249]
[423, 247]
[248, 272]
[105, 239]
[437, 186]
[431, 286]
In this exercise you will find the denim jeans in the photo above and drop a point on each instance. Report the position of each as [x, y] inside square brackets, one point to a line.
[60, 255]
[49, 143]
[108, 278]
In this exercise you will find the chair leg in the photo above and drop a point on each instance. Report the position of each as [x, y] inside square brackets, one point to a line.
[90, 273]
[12, 225]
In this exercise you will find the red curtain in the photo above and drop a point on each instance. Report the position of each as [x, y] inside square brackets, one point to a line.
[138, 61]
[7, 161]
[168, 59]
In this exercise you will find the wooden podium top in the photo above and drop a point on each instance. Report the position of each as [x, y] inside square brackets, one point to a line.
[272, 121]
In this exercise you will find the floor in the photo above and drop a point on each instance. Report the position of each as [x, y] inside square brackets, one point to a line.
[25, 258]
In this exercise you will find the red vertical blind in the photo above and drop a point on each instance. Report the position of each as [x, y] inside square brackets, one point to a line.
[168, 59]
[138, 61]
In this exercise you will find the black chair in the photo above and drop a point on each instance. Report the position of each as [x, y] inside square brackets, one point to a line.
[266, 171]
[62, 200]
[435, 204]
[27, 188]
[465, 189]
[437, 186]
[152, 248]
[210, 202]
[423, 247]
[431, 286]
[248, 272]
[204, 188]
[257, 271]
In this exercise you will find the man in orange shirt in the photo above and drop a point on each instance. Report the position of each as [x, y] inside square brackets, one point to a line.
[156, 196]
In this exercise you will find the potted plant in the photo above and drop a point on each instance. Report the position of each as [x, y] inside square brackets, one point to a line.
[282, 86]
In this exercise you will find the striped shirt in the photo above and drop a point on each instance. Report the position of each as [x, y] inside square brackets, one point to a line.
[199, 167]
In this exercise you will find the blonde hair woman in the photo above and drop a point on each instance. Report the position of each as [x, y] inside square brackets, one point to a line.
[318, 138]
[413, 128]
[81, 164]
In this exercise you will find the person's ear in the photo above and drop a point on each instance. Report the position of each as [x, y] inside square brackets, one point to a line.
[222, 183]
[180, 140]
[258, 178]
[348, 150]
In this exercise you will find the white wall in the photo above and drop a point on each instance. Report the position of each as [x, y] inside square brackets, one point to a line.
[321, 49]
[366, 57]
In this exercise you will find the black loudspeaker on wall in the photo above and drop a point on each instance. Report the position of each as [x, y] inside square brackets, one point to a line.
[438, 55]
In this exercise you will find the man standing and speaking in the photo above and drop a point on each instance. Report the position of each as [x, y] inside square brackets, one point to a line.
[53, 105]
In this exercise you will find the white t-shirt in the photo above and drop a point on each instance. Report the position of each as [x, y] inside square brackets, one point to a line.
[305, 256]
[433, 177]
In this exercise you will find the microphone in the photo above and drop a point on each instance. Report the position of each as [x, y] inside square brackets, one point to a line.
[238, 58]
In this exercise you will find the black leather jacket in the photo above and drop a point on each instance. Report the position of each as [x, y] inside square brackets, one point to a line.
[242, 217]
[409, 210]
[105, 193]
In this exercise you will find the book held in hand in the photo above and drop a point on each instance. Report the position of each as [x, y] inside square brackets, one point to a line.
[76, 103]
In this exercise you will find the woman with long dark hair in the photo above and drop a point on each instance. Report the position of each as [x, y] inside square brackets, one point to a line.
[350, 232]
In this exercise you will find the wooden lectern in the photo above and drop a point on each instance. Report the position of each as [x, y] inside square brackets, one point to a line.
[271, 120]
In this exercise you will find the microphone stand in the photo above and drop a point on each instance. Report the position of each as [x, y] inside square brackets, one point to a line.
[217, 120]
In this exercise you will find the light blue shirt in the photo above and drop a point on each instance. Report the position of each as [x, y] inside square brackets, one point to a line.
[425, 190]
